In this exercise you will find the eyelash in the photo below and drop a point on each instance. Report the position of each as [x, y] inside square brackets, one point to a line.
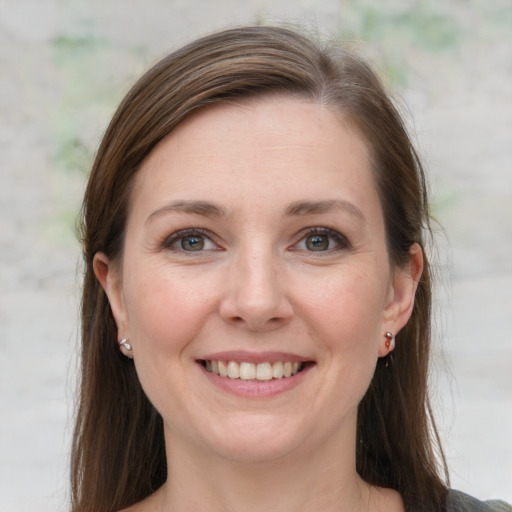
[178, 236]
[340, 241]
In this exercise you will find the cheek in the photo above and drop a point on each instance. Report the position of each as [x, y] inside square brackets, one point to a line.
[165, 314]
[344, 317]
[347, 306]
[166, 310]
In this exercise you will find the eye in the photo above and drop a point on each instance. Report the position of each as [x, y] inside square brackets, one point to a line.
[190, 240]
[317, 242]
[192, 243]
[322, 240]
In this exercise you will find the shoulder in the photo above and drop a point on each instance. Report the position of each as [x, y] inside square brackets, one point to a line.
[457, 501]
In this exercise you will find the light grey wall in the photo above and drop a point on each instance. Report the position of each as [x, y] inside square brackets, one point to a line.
[63, 66]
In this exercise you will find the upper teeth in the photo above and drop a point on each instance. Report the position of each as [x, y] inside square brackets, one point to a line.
[249, 371]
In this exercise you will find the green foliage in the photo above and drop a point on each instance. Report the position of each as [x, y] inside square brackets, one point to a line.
[73, 154]
[444, 201]
[86, 98]
[416, 26]
[86, 95]
[398, 31]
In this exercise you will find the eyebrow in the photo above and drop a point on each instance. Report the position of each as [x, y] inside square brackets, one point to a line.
[204, 208]
[298, 208]
[327, 206]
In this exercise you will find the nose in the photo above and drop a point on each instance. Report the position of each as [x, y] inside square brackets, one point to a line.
[254, 296]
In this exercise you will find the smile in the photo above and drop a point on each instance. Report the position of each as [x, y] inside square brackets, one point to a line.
[265, 371]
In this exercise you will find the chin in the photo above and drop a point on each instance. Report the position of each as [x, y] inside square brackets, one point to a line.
[256, 440]
[255, 453]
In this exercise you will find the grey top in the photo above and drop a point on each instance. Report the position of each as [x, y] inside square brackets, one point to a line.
[459, 502]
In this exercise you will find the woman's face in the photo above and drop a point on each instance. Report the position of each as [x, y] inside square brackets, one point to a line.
[255, 245]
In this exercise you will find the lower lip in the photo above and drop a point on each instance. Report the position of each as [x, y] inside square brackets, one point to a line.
[254, 388]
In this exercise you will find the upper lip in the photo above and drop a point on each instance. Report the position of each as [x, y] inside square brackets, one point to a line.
[254, 357]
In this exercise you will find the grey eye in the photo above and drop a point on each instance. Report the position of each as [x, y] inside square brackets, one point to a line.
[317, 242]
[192, 243]
[190, 240]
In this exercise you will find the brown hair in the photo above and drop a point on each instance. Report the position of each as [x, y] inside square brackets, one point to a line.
[118, 454]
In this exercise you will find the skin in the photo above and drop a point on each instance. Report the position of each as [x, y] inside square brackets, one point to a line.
[270, 168]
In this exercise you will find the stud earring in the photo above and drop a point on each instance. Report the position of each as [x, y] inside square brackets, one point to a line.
[390, 341]
[124, 344]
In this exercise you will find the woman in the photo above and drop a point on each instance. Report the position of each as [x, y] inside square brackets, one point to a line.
[256, 305]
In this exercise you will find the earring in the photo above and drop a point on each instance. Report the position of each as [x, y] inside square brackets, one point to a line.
[390, 341]
[124, 344]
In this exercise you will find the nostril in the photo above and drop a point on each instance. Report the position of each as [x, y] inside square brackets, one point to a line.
[254, 315]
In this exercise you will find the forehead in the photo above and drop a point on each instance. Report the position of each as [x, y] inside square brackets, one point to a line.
[276, 149]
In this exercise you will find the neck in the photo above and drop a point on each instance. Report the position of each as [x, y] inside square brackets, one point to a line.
[323, 479]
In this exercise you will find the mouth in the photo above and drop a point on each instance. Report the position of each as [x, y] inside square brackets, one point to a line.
[249, 371]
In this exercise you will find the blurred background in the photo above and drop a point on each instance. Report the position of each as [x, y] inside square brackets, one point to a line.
[65, 64]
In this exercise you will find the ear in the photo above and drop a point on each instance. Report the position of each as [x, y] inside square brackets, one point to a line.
[403, 288]
[109, 276]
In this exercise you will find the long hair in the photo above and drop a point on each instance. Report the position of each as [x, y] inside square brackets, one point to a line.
[118, 454]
